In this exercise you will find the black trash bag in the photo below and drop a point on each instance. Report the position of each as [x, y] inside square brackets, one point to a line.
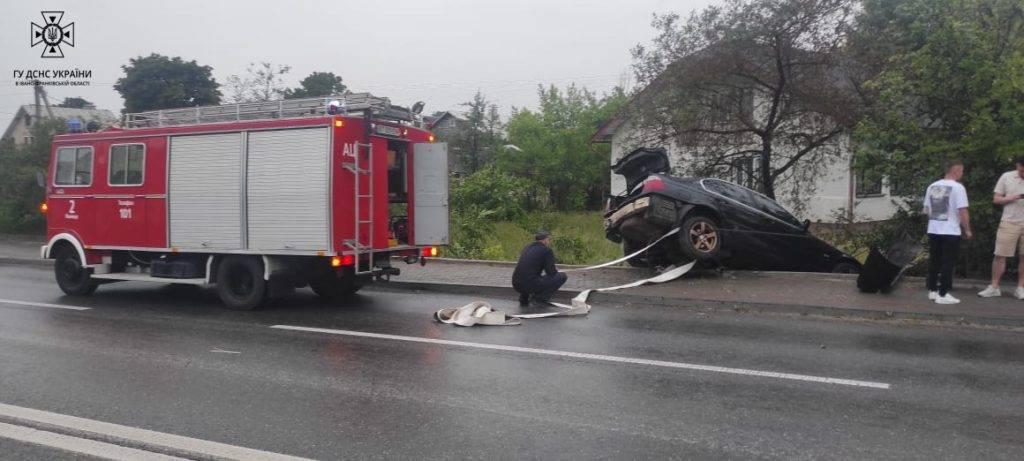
[882, 271]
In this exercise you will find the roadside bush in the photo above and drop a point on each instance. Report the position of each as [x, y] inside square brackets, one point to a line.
[505, 196]
[20, 196]
[571, 250]
[857, 239]
[469, 229]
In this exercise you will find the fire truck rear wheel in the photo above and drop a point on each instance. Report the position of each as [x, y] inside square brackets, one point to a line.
[240, 282]
[72, 277]
[332, 288]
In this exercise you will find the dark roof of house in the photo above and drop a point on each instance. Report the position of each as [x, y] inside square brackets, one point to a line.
[433, 120]
[85, 114]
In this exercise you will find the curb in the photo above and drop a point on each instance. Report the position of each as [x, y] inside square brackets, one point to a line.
[11, 260]
[973, 284]
[735, 306]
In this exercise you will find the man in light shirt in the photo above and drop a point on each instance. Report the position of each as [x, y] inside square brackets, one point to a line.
[1008, 193]
[945, 204]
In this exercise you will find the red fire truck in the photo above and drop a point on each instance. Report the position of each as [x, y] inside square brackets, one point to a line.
[254, 198]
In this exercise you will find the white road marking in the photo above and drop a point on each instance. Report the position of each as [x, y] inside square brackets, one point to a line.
[222, 351]
[151, 440]
[34, 304]
[77, 445]
[598, 357]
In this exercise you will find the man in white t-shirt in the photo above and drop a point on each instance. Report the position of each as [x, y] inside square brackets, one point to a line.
[1009, 192]
[945, 204]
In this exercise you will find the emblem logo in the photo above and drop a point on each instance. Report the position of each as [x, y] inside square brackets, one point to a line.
[52, 35]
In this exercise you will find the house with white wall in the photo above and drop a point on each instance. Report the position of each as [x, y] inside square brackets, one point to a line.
[837, 195]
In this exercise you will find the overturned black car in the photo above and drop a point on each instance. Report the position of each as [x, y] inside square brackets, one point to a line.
[721, 223]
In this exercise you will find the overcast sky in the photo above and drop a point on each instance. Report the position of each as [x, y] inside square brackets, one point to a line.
[437, 51]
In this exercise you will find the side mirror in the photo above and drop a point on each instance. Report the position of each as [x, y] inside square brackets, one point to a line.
[807, 225]
[41, 179]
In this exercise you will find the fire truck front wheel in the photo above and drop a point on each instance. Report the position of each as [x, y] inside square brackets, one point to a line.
[240, 282]
[72, 277]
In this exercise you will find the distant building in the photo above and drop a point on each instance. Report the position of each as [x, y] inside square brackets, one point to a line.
[20, 129]
[448, 127]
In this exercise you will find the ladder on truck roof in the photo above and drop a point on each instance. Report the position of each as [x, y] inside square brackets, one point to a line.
[356, 242]
[351, 104]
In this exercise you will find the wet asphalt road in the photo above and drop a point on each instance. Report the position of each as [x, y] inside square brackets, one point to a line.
[169, 359]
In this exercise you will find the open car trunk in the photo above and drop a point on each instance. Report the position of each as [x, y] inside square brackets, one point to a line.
[641, 163]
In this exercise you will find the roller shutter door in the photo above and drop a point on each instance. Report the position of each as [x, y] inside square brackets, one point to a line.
[204, 191]
[287, 186]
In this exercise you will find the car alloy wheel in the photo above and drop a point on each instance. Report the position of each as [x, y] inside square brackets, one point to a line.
[704, 237]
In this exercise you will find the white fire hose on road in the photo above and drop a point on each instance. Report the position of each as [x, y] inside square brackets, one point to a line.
[481, 312]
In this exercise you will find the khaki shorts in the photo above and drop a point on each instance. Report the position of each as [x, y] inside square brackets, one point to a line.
[1008, 238]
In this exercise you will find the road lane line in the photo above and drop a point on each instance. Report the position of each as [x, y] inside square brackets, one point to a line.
[34, 304]
[185, 447]
[78, 445]
[598, 357]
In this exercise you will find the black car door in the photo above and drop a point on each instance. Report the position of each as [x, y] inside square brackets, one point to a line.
[743, 237]
[794, 248]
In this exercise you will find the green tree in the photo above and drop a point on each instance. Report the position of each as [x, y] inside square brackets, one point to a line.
[262, 82]
[75, 103]
[479, 139]
[20, 195]
[751, 79]
[550, 146]
[159, 82]
[317, 84]
[951, 83]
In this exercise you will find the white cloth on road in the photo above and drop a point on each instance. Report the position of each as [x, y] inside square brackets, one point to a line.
[474, 313]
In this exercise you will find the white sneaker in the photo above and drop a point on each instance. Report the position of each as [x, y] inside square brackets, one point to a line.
[1019, 293]
[992, 292]
[933, 295]
[947, 299]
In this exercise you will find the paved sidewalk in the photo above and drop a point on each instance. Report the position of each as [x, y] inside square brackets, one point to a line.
[827, 294]
[20, 247]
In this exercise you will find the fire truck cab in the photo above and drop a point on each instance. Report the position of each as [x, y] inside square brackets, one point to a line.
[253, 198]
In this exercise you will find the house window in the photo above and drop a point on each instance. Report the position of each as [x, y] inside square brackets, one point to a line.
[904, 188]
[74, 166]
[28, 139]
[868, 185]
[126, 164]
[28, 120]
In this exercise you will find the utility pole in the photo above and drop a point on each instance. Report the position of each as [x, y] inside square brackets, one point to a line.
[40, 93]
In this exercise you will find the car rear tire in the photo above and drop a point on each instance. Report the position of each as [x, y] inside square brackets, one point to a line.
[700, 238]
[630, 247]
[240, 283]
[846, 267]
[72, 277]
[331, 288]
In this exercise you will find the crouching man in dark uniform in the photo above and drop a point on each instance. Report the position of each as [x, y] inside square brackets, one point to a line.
[535, 259]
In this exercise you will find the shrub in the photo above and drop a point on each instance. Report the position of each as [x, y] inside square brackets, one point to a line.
[469, 230]
[570, 250]
[505, 196]
[20, 196]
